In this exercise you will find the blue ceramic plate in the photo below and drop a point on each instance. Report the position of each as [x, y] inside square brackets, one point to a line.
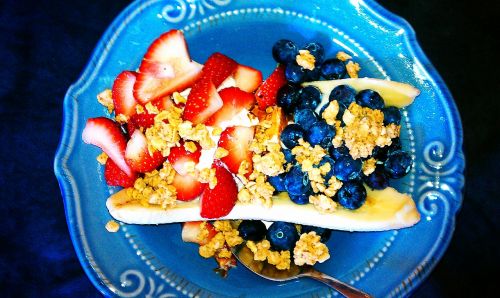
[152, 260]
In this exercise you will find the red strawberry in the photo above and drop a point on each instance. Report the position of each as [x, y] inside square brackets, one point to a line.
[179, 156]
[122, 93]
[237, 140]
[165, 68]
[146, 120]
[191, 230]
[188, 188]
[107, 135]
[234, 100]
[247, 79]
[116, 177]
[138, 156]
[220, 200]
[218, 67]
[266, 94]
[163, 103]
[203, 101]
[143, 120]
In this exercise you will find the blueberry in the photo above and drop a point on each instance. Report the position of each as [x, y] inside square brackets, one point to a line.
[324, 233]
[352, 195]
[291, 134]
[300, 199]
[344, 94]
[287, 97]
[285, 51]
[321, 134]
[370, 99]
[312, 75]
[317, 50]
[391, 115]
[282, 235]
[296, 181]
[346, 168]
[254, 230]
[305, 117]
[289, 157]
[327, 159]
[309, 97]
[338, 152]
[294, 73]
[398, 164]
[377, 180]
[333, 69]
[278, 182]
[380, 153]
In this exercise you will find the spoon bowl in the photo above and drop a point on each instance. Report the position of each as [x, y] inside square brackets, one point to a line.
[268, 271]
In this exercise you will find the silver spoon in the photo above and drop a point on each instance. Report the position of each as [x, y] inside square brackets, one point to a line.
[265, 270]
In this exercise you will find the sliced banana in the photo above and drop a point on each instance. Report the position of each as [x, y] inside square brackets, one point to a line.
[394, 93]
[383, 210]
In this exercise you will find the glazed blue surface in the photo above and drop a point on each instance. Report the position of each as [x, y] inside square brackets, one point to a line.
[140, 260]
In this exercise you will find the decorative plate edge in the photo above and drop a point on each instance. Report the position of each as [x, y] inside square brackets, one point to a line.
[422, 271]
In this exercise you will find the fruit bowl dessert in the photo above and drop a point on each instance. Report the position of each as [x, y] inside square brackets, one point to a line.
[154, 88]
[192, 142]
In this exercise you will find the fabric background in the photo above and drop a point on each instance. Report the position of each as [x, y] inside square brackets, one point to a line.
[44, 45]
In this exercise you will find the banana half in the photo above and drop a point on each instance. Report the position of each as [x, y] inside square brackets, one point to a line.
[383, 210]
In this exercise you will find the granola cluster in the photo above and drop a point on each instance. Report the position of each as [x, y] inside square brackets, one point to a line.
[219, 245]
[364, 129]
[262, 252]
[268, 160]
[155, 188]
[310, 250]
[309, 158]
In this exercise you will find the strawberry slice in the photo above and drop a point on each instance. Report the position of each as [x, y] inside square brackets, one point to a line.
[203, 101]
[247, 78]
[191, 230]
[138, 156]
[165, 68]
[179, 156]
[123, 93]
[188, 188]
[234, 100]
[116, 177]
[266, 94]
[220, 200]
[218, 67]
[107, 135]
[144, 120]
[237, 140]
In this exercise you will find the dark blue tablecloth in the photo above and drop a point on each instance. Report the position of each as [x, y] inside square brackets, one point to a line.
[44, 46]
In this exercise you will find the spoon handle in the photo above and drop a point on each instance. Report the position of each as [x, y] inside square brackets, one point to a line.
[343, 288]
